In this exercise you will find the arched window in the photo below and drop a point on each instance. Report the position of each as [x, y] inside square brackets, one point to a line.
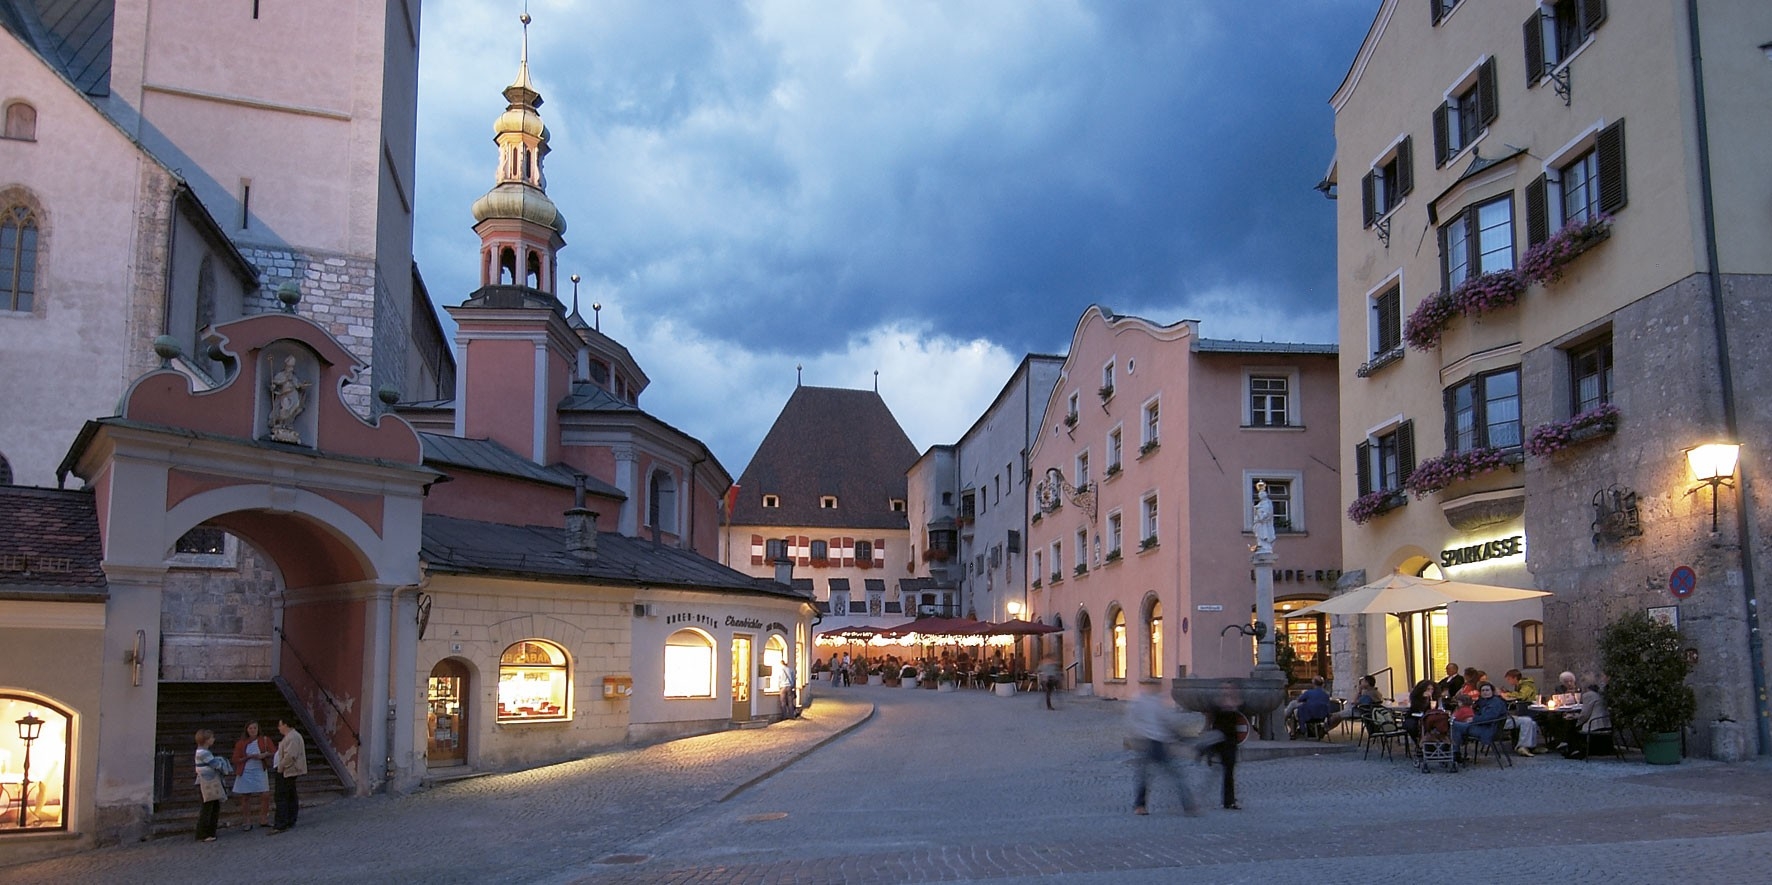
[689, 665]
[1153, 645]
[1119, 644]
[18, 258]
[39, 792]
[532, 271]
[1085, 646]
[507, 266]
[21, 121]
[775, 658]
[661, 498]
[205, 315]
[1529, 644]
[533, 677]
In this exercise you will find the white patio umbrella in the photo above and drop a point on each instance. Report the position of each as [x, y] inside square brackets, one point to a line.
[1402, 594]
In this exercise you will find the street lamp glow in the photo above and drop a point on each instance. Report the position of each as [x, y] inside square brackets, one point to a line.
[1713, 462]
[1014, 608]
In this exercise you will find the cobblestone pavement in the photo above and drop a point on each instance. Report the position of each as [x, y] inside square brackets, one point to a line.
[969, 786]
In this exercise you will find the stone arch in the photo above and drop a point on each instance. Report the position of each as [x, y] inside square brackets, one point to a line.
[301, 532]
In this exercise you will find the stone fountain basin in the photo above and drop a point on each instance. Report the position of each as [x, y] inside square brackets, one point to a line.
[1261, 694]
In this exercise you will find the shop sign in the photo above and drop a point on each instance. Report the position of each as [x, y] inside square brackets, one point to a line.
[1496, 549]
[747, 623]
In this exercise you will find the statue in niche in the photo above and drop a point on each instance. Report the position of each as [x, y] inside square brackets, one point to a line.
[1263, 521]
[287, 392]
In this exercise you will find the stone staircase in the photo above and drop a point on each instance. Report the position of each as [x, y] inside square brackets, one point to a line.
[224, 708]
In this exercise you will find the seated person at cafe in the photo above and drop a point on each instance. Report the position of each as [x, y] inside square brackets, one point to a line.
[1487, 717]
[1312, 706]
[1422, 698]
[1592, 718]
[1558, 721]
[1522, 693]
[1453, 683]
[1366, 696]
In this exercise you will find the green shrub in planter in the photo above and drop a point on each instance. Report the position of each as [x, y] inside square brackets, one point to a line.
[1647, 670]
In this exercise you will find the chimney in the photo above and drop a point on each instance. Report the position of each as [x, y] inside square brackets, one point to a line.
[581, 525]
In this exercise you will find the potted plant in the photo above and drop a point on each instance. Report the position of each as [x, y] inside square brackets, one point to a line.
[1647, 690]
[947, 679]
[907, 676]
[926, 677]
[1003, 684]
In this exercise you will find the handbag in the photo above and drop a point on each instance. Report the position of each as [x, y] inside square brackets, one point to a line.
[212, 788]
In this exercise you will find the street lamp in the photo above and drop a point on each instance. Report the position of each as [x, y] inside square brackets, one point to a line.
[1014, 608]
[29, 729]
[1713, 464]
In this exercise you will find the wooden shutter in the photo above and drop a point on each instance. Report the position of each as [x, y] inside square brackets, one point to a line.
[1449, 404]
[1405, 165]
[1390, 319]
[1405, 451]
[1437, 8]
[1610, 147]
[1534, 34]
[1363, 467]
[1487, 97]
[1593, 12]
[1537, 212]
[1441, 151]
[1368, 199]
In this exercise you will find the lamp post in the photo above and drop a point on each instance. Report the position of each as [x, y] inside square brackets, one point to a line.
[29, 729]
[1713, 464]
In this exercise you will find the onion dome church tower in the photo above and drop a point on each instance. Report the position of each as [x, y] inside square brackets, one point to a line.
[521, 231]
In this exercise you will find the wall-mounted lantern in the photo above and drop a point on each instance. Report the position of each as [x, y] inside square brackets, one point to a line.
[1713, 464]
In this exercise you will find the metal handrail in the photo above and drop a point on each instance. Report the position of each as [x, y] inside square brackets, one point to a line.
[317, 684]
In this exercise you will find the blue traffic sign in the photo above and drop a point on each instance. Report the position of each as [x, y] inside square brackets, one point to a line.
[1682, 582]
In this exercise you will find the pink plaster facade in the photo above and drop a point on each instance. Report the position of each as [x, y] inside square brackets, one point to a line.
[1181, 497]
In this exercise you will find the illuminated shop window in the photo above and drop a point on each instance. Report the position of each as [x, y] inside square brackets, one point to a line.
[1153, 624]
[1119, 640]
[689, 665]
[775, 656]
[39, 792]
[532, 682]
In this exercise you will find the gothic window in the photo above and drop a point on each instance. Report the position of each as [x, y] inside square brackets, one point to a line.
[18, 258]
[205, 315]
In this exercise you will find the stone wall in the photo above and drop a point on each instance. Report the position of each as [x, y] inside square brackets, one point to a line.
[216, 616]
[337, 291]
[1666, 386]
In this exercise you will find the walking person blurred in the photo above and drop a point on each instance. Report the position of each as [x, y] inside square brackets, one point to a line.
[1153, 722]
[1227, 721]
[210, 769]
[252, 753]
[1049, 676]
[290, 762]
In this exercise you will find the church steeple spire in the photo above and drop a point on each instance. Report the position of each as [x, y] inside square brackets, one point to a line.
[520, 229]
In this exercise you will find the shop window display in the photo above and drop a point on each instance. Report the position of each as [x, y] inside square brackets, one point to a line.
[532, 681]
[37, 793]
[689, 665]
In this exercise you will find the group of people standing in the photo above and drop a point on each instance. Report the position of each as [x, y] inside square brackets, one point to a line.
[264, 773]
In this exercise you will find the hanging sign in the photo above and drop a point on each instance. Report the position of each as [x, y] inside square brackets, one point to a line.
[1682, 582]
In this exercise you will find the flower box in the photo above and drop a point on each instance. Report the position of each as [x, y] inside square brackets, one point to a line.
[1070, 420]
[1548, 439]
[1435, 474]
[1380, 361]
[1472, 298]
[1113, 555]
[1106, 392]
[1148, 543]
[1057, 577]
[1081, 569]
[1037, 583]
[1545, 262]
[1373, 504]
[1147, 448]
[1113, 470]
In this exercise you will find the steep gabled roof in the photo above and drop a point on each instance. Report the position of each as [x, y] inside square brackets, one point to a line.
[74, 36]
[829, 441]
[49, 545]
[470, 546]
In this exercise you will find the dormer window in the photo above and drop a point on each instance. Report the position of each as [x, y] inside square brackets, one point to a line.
[827, 502]
[897, 505]
[771, 502]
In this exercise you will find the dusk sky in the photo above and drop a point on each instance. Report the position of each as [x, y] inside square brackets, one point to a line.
[926, 189]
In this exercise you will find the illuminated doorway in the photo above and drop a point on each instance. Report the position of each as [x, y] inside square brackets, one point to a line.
[741, 678]
[446, 720]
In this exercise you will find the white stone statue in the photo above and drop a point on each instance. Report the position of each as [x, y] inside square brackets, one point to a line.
[1263, 521]
[287, 391]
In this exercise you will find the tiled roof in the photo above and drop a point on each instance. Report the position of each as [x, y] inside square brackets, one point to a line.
[73, 35]
[829, 441]
[49, 545]
[1223, 345]
[589, 397]
[469, 546]
[488, 456]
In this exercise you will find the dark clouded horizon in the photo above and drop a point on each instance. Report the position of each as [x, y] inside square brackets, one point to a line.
[930, 190]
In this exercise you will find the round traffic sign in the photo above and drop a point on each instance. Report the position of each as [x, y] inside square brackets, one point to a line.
[1682, 582]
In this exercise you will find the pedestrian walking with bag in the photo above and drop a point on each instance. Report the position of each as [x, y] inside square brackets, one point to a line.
[210, 771]
[252, 756]
[1049, 676]
[1153, 722]
[1223, 727]
[290, 762]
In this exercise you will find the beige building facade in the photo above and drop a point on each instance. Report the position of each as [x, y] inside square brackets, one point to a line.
[1550, 239]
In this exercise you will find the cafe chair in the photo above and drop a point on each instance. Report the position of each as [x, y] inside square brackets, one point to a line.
[1383, 728]
[1494, 733]
[1601, 728]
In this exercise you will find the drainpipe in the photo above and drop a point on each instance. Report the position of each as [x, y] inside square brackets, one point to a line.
[1720, 326]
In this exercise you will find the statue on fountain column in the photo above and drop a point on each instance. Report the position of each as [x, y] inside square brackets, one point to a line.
[1263, 522]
